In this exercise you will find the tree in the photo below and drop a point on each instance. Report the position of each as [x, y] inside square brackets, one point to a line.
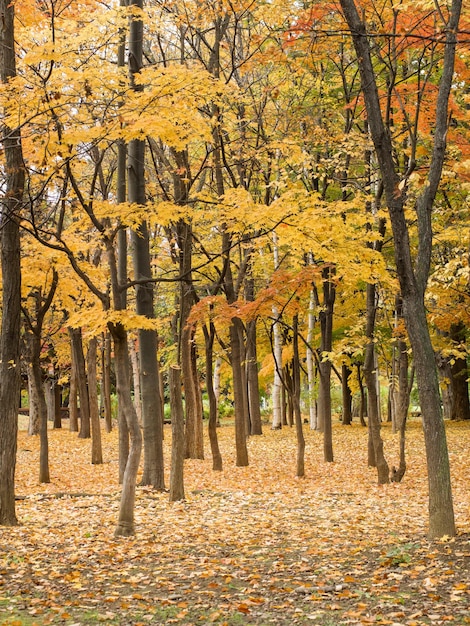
[413, 273]
[12, 202]
[150, 381]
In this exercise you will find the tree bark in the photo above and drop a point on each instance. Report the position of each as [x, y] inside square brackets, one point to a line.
[296, 401]
[106, 380]
[212, 426]
[73, 399]
[347, 395]
[80, 369]
[177, 442]
[459, 375]
[324, 368]
[152, 419]
[11, 203]
[125, 526]
[33, 404]
[96, 448]
[376, 449]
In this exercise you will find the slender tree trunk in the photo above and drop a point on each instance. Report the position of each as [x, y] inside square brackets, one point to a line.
[33, 404]
[177, 443]
[459, 374]
[57, 404]
[73, 399]
[80, 369]
[44, 476]
[134, 356]
[240, 417]
[277, 354]
[296, 402]
[252, 380]
[324, 368]
[251, 361]
[403, 399]
[347, 395]
[125, 526]
[152, 419]
[106, 380]
[96, 448]
[199, 430]
[11, 203]
[33, 354]
[311, 365]
[376, 451]
[212, 426]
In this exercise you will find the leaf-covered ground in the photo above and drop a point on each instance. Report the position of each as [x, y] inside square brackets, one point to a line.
[248, 546]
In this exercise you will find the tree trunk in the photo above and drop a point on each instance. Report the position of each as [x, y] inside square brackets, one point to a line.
[44, 476]
[347, 395]
[459, 375]
[251, 360]
[277, 353]
[252, 380]
[311, 365]
[73, 399]
[33, 346]
[177, 442]
[441, 511]
[324, 392]
[152, 419]
[125, 526]
[11, 203]
[212, 426]
[106, 381]
[134, 356]
[376, 451]
[96, 449]
[403, 399]
[413, 273]
[33, 404]
[296, 402]
[238, 391]
[57, 405]
[79, 358]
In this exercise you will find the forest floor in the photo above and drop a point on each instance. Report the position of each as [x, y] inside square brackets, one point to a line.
[249, 545]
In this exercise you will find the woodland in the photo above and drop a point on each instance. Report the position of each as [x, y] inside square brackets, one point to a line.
[235, 217]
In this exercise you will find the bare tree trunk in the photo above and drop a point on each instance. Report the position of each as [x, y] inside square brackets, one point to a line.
[347, 396]
[212, 426]
[11, 203]
[324, 368]
[57, 402]
[79, 358]
[125, 526]
[251, 366]
[106, 380]
[73, 399]
[33, 404]
[296, 402]
[459, 374]
[96, 448]
[311, 365]
[134, 355]
[33, 346]
[240, 417]
[152, 419]
[177, 442]
[376, 452]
